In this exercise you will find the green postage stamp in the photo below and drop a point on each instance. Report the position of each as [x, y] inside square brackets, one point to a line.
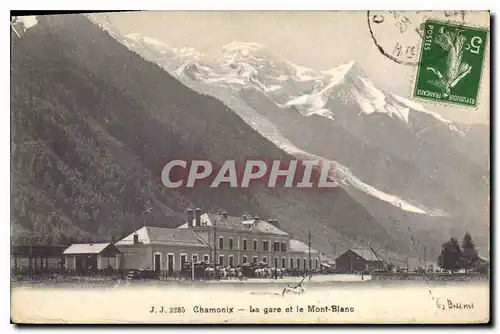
[451, 62]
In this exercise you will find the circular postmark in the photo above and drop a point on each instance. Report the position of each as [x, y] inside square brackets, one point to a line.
[398, 34]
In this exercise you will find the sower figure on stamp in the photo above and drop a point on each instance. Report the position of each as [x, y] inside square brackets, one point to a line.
[453, 43]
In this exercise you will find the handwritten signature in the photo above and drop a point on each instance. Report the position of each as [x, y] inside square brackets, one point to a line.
[453, 305]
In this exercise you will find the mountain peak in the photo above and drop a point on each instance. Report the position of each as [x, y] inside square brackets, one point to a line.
[242, 46]
[147, 40]
[249, 64]
[343, 69]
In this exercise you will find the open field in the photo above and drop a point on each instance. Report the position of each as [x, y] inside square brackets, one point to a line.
[106, 281]
[367, 301]
[328, 279]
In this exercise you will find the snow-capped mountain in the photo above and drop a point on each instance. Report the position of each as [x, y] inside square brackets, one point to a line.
[245, 65]
[250, 65]
[382, 144]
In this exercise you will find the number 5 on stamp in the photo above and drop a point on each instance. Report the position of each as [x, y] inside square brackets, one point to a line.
[450, 64]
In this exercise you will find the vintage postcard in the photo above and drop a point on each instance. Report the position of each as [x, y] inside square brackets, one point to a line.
[314, 167]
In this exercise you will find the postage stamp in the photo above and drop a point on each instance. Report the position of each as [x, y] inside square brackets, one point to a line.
[451, 63]
[398, 34]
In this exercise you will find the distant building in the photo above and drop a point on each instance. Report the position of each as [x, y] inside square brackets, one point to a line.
[237, 240]
[298, 249]
[98, 256]
[36, 257]
[482, 265]
[158, 248]
[356, 260]
[327, 264]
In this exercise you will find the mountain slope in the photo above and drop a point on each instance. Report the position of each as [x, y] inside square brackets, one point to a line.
[405, 155]
[94, 124]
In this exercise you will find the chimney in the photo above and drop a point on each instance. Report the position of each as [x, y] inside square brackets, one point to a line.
[190, 217]
[224, 214]
[136, 238]
[198, 218]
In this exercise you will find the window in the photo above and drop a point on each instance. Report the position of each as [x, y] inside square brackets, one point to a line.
[254, 260]
[264, 259]
[206, 258]
[221, 242]
[283, 246]
[156, 262]
[316, 264]
[305, 264]
[231, 261]
[298, 263]
[195, 258]
[276, 246]
[291, 263]
[265, 245]
[230, 243]
[244, 244]
[170, 263]
[245, 259]
[275, 262]
[255, 245]
[183, 260]
[283, 262]
[221, 260]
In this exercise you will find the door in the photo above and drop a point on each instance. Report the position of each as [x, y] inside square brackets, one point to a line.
[78, 263]
[157, 263]
[170, 263]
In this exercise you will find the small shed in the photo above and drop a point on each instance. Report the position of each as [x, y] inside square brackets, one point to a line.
[357, 260]
[91, 257]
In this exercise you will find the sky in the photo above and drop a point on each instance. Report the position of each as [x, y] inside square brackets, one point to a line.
[315, 39]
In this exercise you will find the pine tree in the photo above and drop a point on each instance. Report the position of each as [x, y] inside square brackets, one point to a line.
[449, 258]
[469, 252]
